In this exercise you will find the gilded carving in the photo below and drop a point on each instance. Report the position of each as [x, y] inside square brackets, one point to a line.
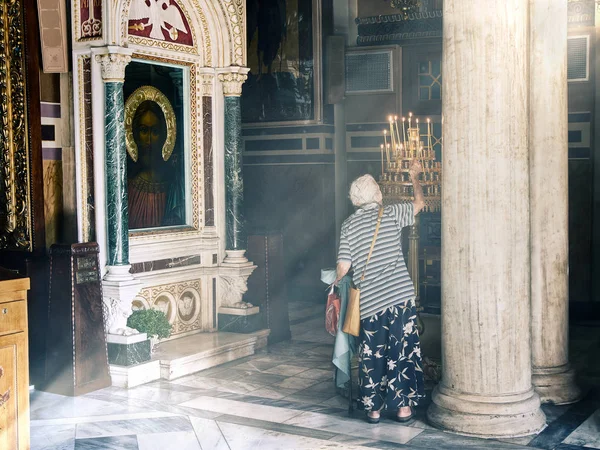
[146, 42]
[140, 95]
[15, 216]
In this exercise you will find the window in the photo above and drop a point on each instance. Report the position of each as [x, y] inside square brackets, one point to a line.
[430, 80]
[369, 72]
[577, 58]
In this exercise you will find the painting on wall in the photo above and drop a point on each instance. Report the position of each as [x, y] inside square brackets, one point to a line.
[284, 59]
[154, 129]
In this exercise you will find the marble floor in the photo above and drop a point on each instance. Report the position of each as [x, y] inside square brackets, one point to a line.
[281, 398]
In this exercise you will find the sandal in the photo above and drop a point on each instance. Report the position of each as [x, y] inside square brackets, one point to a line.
[407, 418]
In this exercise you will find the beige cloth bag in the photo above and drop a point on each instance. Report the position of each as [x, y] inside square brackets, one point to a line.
[352, 319]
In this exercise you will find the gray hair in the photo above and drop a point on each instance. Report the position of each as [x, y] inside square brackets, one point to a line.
[365, 190]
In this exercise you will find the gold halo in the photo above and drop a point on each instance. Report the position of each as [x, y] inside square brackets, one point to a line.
[138, 96]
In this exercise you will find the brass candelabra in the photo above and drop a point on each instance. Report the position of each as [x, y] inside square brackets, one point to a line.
[402, 144]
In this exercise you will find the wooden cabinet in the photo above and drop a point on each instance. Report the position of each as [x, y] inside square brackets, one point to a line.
[14, 365]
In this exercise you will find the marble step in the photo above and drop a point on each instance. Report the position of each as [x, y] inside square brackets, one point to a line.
[191, 354]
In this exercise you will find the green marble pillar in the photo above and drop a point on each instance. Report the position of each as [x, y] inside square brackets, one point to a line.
[234, 181]
[117, 218]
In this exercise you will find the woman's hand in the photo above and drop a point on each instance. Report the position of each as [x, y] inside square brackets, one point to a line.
[415, 168]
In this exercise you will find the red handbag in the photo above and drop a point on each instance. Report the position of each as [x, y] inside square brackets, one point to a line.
[332, 312]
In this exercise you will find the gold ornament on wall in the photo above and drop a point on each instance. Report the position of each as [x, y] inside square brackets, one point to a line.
[16, 227]
[406, 7]
[139, 96]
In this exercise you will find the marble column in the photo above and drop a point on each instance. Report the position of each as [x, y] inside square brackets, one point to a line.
[553, 378]
[486, 388]
[113, 65]
[232, 80]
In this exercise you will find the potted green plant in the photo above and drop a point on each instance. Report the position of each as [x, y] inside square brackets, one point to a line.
[152, 322]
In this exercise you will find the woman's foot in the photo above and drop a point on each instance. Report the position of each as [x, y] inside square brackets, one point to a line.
[373, 416]
[405, 413]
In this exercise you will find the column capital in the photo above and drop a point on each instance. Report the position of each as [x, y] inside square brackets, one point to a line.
[232, 78]
[113, 61]
[207, 80]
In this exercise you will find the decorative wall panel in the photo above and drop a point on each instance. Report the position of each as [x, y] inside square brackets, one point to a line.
[88, 20]
[181, 303]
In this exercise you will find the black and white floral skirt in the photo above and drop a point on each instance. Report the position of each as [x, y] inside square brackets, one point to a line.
[390, 367]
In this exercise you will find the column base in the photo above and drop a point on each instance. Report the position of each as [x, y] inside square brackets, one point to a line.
[556, 385]
[235, 257]
[486, 416]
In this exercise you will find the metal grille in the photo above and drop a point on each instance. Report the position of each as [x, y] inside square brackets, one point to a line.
[577, 63]
[369, 72]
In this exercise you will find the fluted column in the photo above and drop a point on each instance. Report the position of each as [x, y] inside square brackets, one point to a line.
[232, 79]
[113, 64]
[486, 388]
[553, 378]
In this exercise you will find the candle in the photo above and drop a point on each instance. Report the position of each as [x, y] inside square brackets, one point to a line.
[387, 153]
[398, 141]
[403, 131]
[429, 133]
[391, 119]
[382, 171]
[385, 137]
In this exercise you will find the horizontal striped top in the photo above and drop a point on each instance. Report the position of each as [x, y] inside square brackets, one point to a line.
[387, 281]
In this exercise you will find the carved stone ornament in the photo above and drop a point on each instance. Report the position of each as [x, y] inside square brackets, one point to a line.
[207, 84]
[232, 289]
[232, 82]
[116, 313]
[113, 66]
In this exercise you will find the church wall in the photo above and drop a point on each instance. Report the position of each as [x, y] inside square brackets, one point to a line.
[581, 160]
[289, 185]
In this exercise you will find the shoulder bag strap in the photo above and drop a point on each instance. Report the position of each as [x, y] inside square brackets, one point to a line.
[372, 242]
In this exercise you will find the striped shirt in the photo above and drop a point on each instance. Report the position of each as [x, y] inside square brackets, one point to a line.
[387, 281]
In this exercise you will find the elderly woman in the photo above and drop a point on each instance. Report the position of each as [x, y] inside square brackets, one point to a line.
[390, 368]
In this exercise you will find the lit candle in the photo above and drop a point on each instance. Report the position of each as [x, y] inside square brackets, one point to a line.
[409, 119]
[403, 131]
[429, 133]
[382, 171]
[385, 137]
[398, 140]
[387, 153]
[391, 119]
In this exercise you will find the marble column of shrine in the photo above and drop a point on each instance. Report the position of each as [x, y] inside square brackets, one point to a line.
[486, 388]
[113, 64]
[232, 79]
[553, 378]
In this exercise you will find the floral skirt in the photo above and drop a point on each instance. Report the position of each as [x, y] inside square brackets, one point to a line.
[390, 366]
